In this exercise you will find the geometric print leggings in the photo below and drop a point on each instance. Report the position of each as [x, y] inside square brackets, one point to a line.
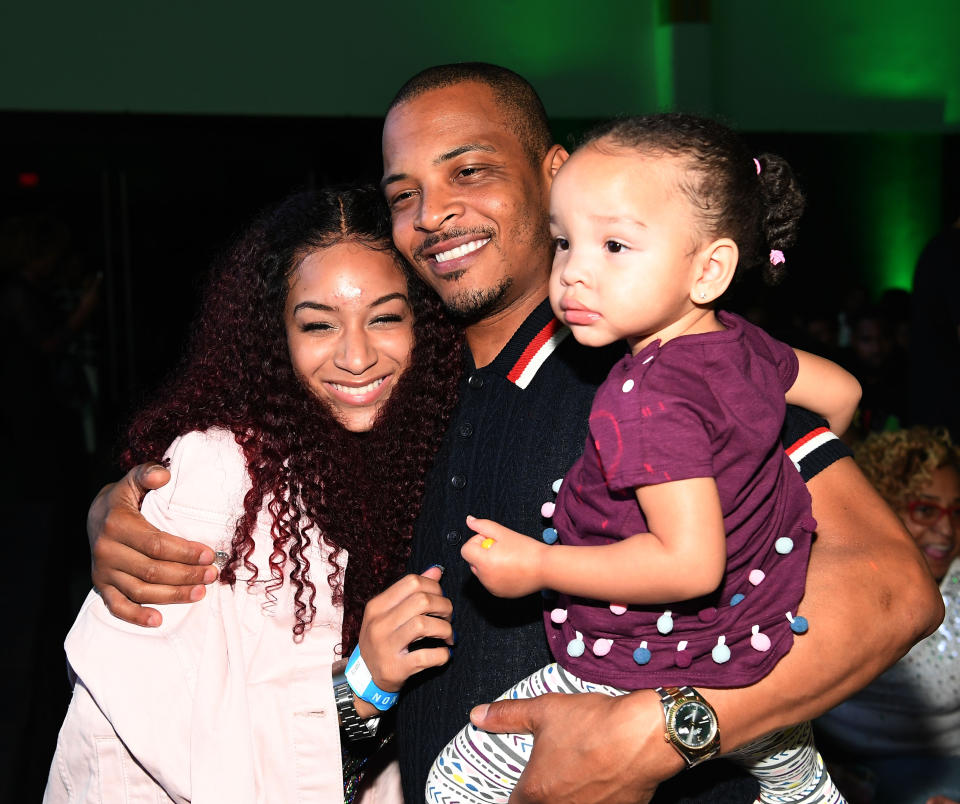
[477, 767]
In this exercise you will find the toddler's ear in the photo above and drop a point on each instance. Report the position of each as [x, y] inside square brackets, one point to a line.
[717, 266]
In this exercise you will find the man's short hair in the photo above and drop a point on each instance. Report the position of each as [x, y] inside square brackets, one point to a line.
[517, 99]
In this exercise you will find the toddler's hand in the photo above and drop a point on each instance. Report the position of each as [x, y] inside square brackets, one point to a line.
[506, 562]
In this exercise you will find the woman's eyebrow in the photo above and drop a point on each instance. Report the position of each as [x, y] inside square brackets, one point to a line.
[389, 297]
[312, 305]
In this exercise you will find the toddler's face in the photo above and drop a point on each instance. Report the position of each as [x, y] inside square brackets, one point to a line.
[626, 247]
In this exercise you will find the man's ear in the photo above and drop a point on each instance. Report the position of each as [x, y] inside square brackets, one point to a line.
[552, 162]
[718, 264]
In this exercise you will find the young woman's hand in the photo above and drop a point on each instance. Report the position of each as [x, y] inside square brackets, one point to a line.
[411, 609]
[506, 562]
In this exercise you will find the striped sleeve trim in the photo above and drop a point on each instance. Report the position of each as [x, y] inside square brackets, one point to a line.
[815, 451]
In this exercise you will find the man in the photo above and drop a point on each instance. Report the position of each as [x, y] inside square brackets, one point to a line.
[468, 164]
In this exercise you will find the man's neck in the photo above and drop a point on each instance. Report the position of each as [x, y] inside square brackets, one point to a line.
[487, 338]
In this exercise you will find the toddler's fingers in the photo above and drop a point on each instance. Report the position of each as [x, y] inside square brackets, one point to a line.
[487, 527]
[475, 548]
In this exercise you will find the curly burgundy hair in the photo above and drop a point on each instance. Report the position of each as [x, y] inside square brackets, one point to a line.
[362, 491]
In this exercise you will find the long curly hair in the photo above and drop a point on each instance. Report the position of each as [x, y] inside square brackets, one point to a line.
[362, 491]
[900, 463]
[756, 203]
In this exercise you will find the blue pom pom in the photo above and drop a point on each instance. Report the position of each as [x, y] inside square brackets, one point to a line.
[783, 545]
[641, 655]
[799, 625]
[737, 598]
[575, 648]
[550, 535]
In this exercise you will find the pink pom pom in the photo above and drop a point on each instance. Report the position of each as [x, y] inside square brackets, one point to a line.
[776, 257]
[618, 608]
[558, 616]
[547, 509]
[602, 647]
[758, 641]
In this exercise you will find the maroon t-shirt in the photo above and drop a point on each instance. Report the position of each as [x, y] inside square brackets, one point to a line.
[705, 405]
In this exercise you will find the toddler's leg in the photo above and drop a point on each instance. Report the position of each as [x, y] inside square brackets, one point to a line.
[477, 767]
[789, 768]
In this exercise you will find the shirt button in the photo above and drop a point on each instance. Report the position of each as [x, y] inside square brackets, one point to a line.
[453, 536]
[475, 381]
[466, 430]
[458, 481]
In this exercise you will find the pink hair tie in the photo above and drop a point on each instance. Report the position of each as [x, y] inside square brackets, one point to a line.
[757, 163]
[776, 257]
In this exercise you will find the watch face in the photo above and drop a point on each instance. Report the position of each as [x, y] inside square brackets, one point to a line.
[693, 724]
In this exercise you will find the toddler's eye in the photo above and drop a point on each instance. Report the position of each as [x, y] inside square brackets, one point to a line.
[561, 243]
[613, 246]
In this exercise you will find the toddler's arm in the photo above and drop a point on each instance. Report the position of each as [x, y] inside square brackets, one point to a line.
[826, 389]
[682, 557]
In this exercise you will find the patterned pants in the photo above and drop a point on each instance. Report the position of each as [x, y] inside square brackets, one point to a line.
[477, 767]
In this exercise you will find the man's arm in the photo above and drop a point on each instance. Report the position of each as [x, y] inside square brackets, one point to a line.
[133, 561]
[869, 598]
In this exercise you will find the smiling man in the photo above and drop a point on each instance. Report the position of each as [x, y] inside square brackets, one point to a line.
[468, 163]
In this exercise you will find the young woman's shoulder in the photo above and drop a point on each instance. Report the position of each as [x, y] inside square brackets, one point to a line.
[208, 474]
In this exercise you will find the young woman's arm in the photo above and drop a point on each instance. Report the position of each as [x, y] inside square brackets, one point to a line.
[825, 388]
[686, 530]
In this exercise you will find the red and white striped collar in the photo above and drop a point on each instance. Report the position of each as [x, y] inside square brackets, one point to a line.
[530, 347]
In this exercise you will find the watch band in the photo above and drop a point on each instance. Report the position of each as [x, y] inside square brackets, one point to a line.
[352, 726]
[672, 699]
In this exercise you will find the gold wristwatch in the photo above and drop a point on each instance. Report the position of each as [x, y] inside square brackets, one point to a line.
[691, 724]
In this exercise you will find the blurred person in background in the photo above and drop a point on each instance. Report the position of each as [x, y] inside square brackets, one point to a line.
[898, 740]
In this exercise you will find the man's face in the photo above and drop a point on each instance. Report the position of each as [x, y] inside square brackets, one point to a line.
[469, 208]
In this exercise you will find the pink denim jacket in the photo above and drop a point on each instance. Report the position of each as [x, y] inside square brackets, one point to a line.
[218, 704]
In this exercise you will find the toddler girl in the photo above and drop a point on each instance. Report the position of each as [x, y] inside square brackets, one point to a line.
[684, 529]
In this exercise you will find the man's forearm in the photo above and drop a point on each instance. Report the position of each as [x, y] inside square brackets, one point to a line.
[869, 598]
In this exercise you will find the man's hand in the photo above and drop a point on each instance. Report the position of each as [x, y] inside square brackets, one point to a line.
[587, 748]
[506, 562]
[135, 563]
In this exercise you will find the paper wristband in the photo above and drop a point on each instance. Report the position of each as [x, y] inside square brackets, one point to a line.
[361, 682]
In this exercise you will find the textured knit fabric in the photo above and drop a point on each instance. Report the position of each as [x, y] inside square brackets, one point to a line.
[704, 405]
[219, 703]
[913, 708]
[506, 446]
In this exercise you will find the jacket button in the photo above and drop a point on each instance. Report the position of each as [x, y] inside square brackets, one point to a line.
[475, 381]
[458, 481]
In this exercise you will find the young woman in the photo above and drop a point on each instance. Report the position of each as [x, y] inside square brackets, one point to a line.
[297, 431]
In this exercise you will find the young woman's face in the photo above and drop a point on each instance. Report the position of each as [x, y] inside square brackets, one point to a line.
[932, 516]
[349, 329]
[626, 247]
